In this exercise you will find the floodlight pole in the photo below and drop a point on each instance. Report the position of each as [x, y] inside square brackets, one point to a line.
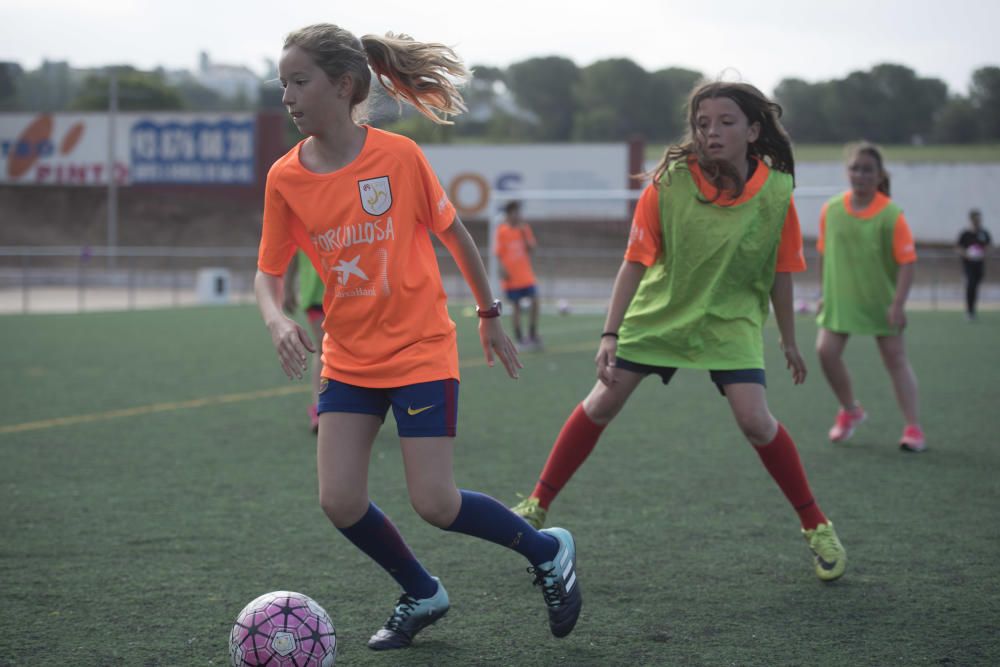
[112, 241]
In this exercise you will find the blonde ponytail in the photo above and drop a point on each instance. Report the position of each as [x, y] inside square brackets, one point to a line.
[426, 75]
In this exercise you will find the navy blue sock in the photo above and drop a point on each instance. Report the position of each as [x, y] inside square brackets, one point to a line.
[377, 536]
[487, 519]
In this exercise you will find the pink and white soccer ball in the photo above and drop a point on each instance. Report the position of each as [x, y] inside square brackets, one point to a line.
[283, 629]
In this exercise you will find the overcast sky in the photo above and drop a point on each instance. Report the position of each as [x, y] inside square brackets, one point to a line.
[760, 42]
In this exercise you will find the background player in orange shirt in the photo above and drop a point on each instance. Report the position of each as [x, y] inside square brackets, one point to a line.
[362, 204]
[868, 258]
[515, 244]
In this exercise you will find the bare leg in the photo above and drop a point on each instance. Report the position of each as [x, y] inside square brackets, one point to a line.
[904, 381]
[430, 480]
[830, 348]
[343, 451]
[777, 452]
[603, 403]
[748, 402]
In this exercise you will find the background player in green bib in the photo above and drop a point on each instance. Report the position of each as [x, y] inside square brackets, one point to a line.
[868, 261]
[714, 238]
[310, 298]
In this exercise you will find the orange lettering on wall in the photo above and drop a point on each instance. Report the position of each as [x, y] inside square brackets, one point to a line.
[482, 193]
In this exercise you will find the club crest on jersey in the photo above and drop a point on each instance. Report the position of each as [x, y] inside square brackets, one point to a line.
[376, 197]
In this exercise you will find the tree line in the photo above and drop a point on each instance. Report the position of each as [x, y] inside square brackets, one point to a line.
[551, 99]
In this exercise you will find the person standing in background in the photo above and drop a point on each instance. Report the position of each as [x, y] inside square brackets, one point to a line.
[515, 244]
[867, 260]
[972, 245]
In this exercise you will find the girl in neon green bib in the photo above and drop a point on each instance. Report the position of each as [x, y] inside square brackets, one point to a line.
[715, 238]
[867, 267]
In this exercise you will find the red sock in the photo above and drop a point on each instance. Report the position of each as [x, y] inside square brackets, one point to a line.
[575, 442]
[782, 460]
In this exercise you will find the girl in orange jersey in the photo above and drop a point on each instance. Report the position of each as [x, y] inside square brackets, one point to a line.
[515, 245]
[715, 236]
[867, 267]
[362, 204]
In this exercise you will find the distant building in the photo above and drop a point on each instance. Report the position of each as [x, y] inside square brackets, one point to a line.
[234, 82]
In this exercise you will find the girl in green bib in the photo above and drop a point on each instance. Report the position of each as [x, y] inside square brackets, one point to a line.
[867, 267]
[714, 239]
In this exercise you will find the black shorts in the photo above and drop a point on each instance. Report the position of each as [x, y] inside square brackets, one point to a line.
[720, 378]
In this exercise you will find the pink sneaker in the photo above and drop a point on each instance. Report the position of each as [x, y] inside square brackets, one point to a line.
[912, 440]
[313, 419]
[847, 421]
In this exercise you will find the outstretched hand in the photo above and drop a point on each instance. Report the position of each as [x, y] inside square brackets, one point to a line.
[293, 346]
[494, 340]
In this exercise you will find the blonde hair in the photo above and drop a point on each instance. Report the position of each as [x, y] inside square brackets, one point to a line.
[773, 145]
[424, 74]
[867, 148]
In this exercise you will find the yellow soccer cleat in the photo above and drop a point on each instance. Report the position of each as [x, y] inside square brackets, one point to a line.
[828, 553]
[529, 510]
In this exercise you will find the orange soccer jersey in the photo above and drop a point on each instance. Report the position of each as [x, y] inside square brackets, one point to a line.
[366, 228]
[512, 246]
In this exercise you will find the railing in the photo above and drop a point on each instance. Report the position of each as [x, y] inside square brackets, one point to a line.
[74, 279]
[36, 279]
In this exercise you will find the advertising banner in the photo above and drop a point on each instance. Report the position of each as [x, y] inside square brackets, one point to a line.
[149, 148]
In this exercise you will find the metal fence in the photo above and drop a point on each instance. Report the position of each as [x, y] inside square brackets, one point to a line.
[72, 279]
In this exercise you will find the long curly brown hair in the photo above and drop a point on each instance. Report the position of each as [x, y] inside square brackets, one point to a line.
[773, 145]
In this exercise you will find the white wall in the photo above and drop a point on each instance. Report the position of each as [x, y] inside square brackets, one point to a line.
[935, 197]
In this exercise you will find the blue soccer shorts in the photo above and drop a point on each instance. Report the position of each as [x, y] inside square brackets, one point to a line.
[422, 410]
[515, 295]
